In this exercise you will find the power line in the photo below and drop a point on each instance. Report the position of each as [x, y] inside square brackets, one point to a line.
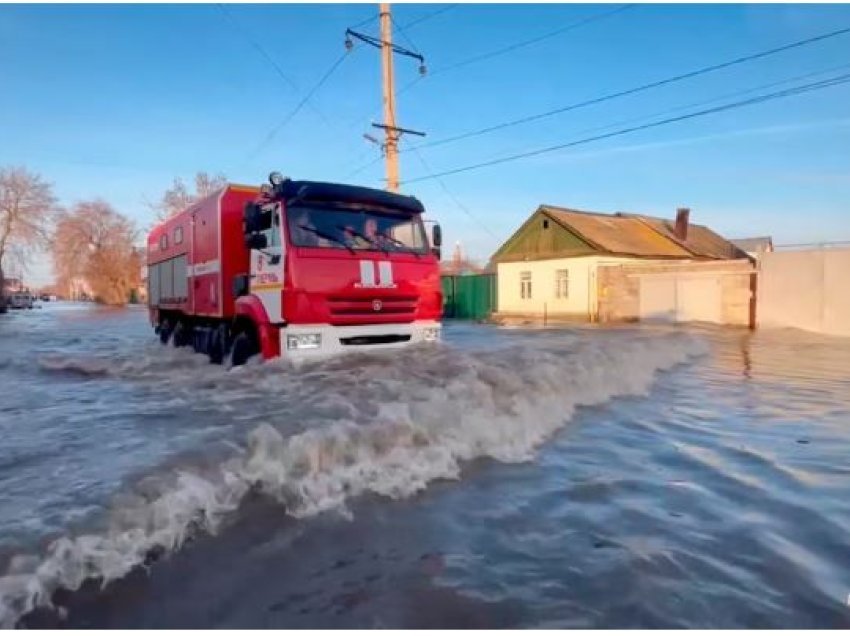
[507, 49]
[257, 46]
[262, 51]
[299, 106]
[363, 168]
[501, 51]
[428, 16]
[374, 16]
[518, 45]
[453, 197]
[637, 89]
[403, 34]
[835, 81]
[713, 100]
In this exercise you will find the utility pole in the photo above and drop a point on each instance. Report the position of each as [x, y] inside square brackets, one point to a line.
[392, 133]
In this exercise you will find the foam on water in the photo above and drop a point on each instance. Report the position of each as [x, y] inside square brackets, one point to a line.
[366, 423]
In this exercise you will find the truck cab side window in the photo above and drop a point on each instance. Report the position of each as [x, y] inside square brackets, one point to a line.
[273, 233]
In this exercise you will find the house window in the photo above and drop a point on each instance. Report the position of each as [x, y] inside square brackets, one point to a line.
[178, 235]
[562, 283]
[163, 242]
[525, 285]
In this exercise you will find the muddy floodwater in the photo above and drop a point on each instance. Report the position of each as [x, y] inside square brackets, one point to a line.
[581, 477]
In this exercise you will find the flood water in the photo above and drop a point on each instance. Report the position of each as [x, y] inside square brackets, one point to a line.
[581, 477]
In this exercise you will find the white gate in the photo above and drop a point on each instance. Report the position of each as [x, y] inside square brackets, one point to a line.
[681, 297]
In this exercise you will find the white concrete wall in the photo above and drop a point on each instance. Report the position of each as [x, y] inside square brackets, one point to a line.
[581, 300]
[806, 289]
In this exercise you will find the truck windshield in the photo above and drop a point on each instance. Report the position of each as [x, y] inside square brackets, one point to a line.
[355, 229]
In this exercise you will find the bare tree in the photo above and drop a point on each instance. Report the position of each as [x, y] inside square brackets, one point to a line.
[97, 244]
[178, 197]
[27, 205]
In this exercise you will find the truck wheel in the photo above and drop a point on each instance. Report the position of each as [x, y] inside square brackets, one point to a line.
[182, 335]
[218, 345]
[244, 348]
[164, 331]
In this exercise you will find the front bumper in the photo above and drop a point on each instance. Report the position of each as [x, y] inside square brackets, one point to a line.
[351, 339]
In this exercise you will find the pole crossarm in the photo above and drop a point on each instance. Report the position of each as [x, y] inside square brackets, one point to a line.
[399, 130]
[378, 43]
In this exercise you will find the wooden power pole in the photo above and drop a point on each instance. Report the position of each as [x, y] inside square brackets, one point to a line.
[392, 133]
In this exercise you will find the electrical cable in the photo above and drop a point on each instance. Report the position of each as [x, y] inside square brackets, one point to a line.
[451, 195]
[299, 106]
[518, 45]
[835, 81]
[637, 89]
[262, 51]
[428, 16]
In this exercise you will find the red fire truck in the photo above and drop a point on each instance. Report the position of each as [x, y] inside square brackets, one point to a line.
[295, 268]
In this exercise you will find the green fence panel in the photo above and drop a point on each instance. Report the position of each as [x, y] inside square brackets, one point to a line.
[448, 283]
[469, 297]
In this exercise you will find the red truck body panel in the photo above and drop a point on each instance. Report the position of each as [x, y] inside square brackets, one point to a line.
[208, 236]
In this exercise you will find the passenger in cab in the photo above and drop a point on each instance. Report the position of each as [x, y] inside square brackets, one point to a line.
[304, 232]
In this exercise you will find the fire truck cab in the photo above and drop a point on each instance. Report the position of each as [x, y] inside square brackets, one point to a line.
[300, 269]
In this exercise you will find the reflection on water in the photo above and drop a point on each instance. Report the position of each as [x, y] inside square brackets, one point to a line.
[689, 478]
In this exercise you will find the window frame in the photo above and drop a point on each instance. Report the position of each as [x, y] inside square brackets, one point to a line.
[525, 285]
[562, 284]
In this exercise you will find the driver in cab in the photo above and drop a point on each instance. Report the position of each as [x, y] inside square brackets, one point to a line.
[304, 232]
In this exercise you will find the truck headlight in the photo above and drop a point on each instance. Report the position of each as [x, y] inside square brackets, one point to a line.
[431, 334]
[304, 341]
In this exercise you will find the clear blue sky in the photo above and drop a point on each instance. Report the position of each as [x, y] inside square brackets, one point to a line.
[114, 101]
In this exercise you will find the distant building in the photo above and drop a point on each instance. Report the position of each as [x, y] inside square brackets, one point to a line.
[549, 267]
[12, 285]
[460, 265]
[754, 247]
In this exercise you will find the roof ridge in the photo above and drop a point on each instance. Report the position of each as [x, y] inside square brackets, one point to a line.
[557, 208]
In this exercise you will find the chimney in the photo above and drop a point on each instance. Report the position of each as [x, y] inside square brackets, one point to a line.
[681, 229]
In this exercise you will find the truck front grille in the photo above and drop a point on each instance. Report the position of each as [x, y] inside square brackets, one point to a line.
[373, 340]
[366, 309]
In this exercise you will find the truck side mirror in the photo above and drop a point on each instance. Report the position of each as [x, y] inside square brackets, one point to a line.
[437, 241]
[251, 216]
[438, 235]
[256, 241]
[256, 219]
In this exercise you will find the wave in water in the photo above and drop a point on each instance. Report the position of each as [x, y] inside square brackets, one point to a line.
[366, 423]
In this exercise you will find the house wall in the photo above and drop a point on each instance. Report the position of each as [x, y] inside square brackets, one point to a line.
[580, 303]
[806, 289]
[681, 291]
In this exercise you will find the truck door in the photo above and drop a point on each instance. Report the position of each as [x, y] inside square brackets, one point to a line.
[267, 267]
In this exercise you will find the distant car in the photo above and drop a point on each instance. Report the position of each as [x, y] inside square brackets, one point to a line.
[20, 300]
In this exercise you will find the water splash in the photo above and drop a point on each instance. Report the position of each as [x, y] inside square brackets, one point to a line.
[337, 429]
